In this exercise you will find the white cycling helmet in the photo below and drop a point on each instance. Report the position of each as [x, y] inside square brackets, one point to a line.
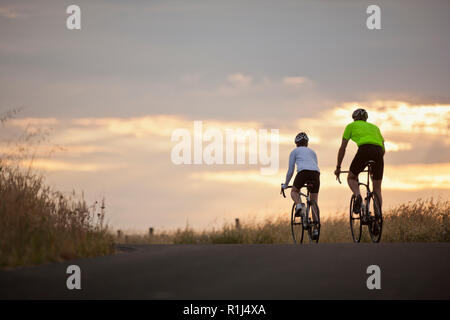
[360, 114]
[301, 136]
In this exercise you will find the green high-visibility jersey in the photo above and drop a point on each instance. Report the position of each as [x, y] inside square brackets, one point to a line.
[363, 132]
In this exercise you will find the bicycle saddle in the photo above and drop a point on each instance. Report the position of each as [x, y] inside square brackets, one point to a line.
[309, 184]
[369, 163]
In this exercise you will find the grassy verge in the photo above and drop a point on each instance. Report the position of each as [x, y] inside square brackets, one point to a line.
[421, 221]
[40, 225]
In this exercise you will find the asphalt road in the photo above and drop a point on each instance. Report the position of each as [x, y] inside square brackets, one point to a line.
[324, 271]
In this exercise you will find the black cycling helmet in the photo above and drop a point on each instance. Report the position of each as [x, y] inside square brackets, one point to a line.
[360, 114]
[301, 136]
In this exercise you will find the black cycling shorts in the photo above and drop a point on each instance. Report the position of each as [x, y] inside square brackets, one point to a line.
[365, 153]
[308, 176]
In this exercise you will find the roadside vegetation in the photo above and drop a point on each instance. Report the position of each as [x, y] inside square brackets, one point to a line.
[420, 221]
[37, 223]
[40, 225]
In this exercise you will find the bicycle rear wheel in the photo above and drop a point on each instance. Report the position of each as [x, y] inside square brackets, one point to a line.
[375, 224]
[296, 227]
[355, 222]
[315, 221]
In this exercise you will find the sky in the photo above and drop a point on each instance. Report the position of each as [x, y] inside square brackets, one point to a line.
[100, 105]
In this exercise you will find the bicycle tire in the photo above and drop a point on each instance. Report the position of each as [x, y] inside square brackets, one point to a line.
[375, 218]
[296, 227]
[312, 205]
[355, 222]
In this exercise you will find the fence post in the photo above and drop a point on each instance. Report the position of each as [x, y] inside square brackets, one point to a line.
[237, 224]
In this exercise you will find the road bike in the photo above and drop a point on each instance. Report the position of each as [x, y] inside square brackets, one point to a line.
[370, 213]
[300, 223]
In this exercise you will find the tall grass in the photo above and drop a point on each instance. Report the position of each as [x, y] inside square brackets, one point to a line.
[420, 221]
[40, 225]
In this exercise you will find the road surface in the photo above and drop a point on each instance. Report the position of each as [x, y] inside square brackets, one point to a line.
[324, 271]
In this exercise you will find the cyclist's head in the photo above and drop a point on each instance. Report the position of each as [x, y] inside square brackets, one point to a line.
[301, 140]
[360, 114]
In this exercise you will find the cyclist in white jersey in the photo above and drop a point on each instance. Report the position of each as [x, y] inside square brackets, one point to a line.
[307, 170]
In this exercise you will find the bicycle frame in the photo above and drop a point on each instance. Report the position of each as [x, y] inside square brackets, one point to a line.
[310, 226]
[300, 194]
[375, 222]
[367, 185]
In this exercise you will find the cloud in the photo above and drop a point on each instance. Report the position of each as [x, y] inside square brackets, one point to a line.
[9, 13]
[397, 146]
[401, 177]
[54, 165]
[294, 81]
[152, 133]
[402, 117]
[404, 126]
[238, 79]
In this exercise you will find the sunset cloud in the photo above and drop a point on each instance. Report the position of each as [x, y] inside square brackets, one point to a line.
[239, 79]
[52, 165]
[8, 12]
[294, 81]
[408, 177]
[152, 134]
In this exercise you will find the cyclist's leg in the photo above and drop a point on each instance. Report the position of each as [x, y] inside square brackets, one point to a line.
[295, 194]
[353, 183]
[356, 167]
[377, 190]
[377, 174]
[314, 191]
[299, 181]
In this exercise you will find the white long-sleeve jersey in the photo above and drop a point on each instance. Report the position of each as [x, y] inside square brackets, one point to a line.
[305, 159]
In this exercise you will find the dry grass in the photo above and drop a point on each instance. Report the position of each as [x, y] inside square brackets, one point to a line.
[421, 221]
[39, 225]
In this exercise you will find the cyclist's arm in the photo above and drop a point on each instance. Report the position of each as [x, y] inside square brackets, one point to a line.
[341, 152]
[291, 167]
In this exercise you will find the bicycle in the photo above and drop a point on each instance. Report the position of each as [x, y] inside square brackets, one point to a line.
[299, 223]
[373, 219]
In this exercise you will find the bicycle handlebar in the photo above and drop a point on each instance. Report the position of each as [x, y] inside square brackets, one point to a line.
[346, 171]
[307, 185]
[282, 190]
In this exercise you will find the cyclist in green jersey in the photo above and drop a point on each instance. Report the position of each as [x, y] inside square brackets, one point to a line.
[370, 147]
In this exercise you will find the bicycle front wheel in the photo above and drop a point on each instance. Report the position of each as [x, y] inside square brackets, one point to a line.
[314, 225]
[375, 224]
[296, 227]
[355, 222]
